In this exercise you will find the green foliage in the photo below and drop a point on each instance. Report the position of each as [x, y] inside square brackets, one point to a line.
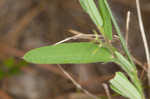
[125, 64]
[124, 87]
[107, 26]
[74, 53]
[89, 7]
[86, 52]
[100, 17]
[123, 42]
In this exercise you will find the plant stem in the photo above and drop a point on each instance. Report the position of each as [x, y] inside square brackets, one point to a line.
[119, 33]
[134, 77]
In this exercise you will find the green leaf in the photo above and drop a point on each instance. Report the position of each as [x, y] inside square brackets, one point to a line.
[129, 69]
[123, 42]
[125, 64]
[107, 25]
[90, 7]
[66, 53]
[122, 85]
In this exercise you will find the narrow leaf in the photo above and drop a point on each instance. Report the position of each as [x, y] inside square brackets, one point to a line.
[125, 64]
[90, 7]
[66, 53]
[122, 85]
[107, 25]
[129, 69]
[123, 42]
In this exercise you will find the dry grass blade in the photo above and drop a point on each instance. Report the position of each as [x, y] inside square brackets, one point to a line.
[79, 35]
[84, 36]
[67, 39]
[127, 26]
[144, 38]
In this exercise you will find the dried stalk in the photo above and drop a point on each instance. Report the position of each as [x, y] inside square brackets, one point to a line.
[127, 26]
[144, 38]
[107, 90]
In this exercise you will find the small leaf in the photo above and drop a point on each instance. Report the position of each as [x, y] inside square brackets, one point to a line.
[66, 53]
[107, 25]
[90, 7]
[122, 85]
[125, 64]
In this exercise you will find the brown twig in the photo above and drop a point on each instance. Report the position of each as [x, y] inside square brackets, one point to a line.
[107, 90]
[78, 35]
[77, 84]
[142, 74]
[85, 36]
[89, 36]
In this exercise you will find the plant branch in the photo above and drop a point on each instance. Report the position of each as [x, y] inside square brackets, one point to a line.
[134, 77]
